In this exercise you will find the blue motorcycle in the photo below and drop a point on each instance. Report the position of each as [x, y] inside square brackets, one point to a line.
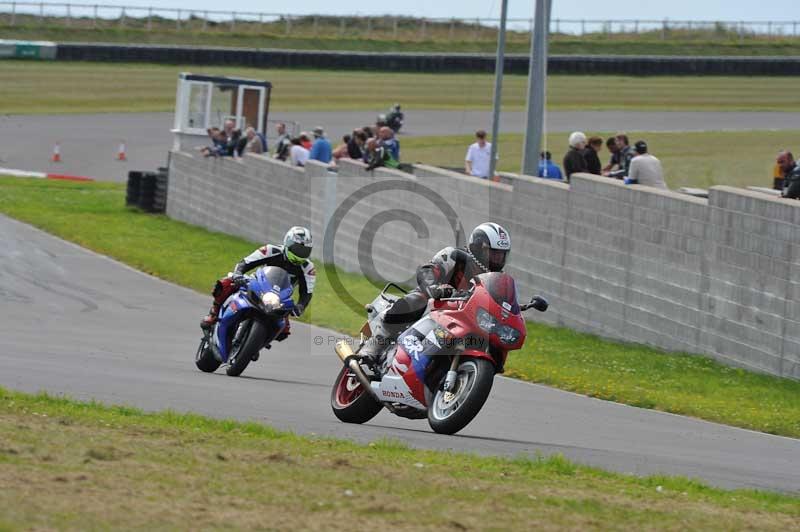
[249, 319]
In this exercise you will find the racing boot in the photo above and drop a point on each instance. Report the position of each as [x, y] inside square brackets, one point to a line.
[373, 347]
[380, 341]
[208, 322]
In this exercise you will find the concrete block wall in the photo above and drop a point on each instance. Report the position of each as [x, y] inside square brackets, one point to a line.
[719, 276]
[255, 198]
[751, 303]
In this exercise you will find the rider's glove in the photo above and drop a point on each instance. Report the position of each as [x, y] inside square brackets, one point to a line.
[298, 310]
[440, 291]
[237, 279]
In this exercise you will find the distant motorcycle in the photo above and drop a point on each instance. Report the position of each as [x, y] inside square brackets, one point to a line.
[250, 319]
[393, 119]
[443, 366]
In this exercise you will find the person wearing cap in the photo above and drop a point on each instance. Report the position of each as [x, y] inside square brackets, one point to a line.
[573, 159]
[321, 149]
[645, 169]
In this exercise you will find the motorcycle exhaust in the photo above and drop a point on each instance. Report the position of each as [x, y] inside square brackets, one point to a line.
[345, 352]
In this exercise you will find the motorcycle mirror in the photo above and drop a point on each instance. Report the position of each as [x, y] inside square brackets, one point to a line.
[539, 303]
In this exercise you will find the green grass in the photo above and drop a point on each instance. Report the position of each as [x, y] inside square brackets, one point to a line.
[72, 465]
[33, 87]
[408, 39]
[696, 159]
[92, 214]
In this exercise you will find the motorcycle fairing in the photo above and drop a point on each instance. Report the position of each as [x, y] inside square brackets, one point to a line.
[406, 375]
[229, 318]
[266, 279]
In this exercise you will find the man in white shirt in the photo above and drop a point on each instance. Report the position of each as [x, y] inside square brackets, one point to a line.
[478, 156]
[298, 155]
[645, 169]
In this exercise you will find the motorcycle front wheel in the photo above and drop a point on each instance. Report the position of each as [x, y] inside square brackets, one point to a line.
[449, 412]
[350, 402]
[251, 343]
[204, 359]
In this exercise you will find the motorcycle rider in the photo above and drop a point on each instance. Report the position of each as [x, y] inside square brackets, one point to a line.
[450, 270]
[292, 256]
[394, 119]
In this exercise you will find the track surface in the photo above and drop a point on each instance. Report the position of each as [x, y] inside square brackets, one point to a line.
[80, 324]
[89, 143]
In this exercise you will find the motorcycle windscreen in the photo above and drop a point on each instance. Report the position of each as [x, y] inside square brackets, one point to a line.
[273, 279]
[503, 290]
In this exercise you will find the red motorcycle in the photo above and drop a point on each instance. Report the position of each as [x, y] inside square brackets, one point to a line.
[443, 366]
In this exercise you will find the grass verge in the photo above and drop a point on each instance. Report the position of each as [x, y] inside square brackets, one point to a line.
[690, 159]
[328, 36]
[72, 465]
[93, 215]
[35, 87]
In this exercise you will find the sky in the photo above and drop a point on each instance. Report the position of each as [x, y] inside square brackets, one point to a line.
[565, 9]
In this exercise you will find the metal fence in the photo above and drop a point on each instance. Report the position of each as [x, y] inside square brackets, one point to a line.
[81, 15]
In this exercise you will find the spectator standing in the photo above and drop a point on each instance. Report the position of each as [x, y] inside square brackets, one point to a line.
[593, 165]
[791, 173]
[358, 144]
[573, 160]
[218, 143]
[378, 154]
[340, 152]
[547, 168]
[253, 144]
[645, 169]
[284, 142]
[321, 149]
[233, 138]
[479, 155]
[386, 136]
[626, 155]
[298, 154]
[613, 162]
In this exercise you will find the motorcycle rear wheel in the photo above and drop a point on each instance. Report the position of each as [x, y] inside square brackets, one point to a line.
[204, 359]
[249, 346]
[350, 402]
[449, 414]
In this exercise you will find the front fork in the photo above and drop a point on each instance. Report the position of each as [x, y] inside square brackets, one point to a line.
[452, 375]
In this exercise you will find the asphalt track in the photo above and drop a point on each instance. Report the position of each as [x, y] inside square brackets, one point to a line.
[80, 324]
[89, 143]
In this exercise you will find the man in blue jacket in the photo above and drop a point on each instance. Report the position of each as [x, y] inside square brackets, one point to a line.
[547, 168]
[321, 149]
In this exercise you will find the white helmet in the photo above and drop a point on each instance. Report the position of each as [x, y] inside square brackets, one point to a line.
[490, 244]
[297, 244]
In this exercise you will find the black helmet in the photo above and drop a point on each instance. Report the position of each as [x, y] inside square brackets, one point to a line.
[490, 244]
[297, 244]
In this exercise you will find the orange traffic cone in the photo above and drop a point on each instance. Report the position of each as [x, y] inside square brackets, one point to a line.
[56, 158]
[121, 152]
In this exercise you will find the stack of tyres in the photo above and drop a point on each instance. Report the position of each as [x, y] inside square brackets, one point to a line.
[160, 195]
[147, 191]
[134, 184]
